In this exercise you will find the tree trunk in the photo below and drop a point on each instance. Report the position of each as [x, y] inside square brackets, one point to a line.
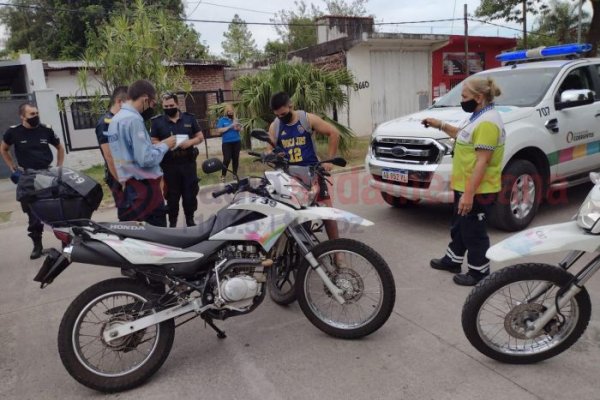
[593, 35]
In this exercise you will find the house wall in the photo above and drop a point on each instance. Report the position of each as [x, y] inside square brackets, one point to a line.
[65, 83]
[206, 77]
[390, 82]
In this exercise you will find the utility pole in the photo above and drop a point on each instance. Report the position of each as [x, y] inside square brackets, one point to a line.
[466, 42]
[525, 23]
[579, 23]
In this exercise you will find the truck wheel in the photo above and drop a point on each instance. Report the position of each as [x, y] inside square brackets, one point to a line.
[397, 201]
[519, 198]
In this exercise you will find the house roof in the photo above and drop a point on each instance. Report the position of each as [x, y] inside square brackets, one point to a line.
[67, 65]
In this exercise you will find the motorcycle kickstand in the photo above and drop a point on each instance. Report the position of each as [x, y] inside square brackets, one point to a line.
[208, 321]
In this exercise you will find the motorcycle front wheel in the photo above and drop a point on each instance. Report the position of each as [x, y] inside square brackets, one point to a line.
[120, 364]
[497, 313]
[367, 283]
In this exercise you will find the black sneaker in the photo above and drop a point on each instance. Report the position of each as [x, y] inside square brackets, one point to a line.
[442, 265]
[471, 278]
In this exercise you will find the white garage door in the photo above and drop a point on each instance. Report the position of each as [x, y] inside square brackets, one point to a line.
[400, 82]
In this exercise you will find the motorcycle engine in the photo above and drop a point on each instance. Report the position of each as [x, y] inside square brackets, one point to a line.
[243, 280]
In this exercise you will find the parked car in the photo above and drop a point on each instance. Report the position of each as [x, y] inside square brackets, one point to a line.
[551, 113]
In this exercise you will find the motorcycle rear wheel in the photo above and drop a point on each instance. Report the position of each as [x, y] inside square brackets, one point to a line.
[498, 310]
[368, 285]
[120, 364]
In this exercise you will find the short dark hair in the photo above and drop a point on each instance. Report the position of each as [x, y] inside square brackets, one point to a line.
[22, 107]
[120, 92]
[169, 95]
[279, 100]
[140, 88]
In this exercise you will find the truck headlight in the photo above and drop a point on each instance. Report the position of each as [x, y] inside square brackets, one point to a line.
[589, 212]
[448, 144]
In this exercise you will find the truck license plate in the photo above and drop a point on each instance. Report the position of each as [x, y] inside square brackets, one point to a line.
[395, 175]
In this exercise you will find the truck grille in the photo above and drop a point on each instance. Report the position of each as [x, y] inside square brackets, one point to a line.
[407, 150]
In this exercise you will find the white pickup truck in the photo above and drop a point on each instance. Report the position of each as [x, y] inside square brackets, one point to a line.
[551, 113]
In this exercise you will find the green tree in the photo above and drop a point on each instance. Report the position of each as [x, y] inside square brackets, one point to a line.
[239, 46]
[141, 44]
[297, 27]
[512, 10]
[311, 89]
[275, 50]
[59, 29]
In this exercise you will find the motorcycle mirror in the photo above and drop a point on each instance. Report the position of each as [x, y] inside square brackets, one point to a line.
[339, 161]
[212, 165]
[262, 135]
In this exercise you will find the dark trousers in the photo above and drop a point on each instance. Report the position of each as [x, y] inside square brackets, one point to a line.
[143, 201]
[231, 152]
[181, 182]
[469, 233]
[117, 192]
[35, 227]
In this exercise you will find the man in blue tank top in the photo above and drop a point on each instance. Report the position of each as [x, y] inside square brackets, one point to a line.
[294, 131]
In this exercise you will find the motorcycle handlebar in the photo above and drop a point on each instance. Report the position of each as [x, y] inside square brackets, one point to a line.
[255, 154]
[227, 189]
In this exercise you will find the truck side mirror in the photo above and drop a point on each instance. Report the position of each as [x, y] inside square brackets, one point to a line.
[575, 98]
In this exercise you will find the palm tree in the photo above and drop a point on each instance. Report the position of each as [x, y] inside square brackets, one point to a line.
[560, 21]
[310, 88]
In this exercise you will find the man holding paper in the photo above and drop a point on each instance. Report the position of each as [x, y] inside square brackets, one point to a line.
[178, 165]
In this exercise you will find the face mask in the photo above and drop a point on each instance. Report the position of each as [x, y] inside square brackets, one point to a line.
[148, 113]
[33, 121]
[286, 118]
[469, 105]
[171, 112]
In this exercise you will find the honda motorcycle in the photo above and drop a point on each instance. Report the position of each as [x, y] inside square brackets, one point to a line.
[530, 312]
[118, 332]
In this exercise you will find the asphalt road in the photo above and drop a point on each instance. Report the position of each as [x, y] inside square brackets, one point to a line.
[275, 353]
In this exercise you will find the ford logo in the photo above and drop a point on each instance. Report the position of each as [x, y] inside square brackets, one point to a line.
[399, 151]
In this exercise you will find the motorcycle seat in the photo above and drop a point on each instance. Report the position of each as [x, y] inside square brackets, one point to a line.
[176, 237]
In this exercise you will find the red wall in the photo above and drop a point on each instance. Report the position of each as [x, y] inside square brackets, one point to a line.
[489, 46]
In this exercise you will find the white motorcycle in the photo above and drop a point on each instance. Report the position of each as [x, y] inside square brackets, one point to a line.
[118, 333]
[530, 312]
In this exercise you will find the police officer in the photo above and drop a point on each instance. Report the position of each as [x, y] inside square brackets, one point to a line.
[179, 165]
[136, 159]
[119, 96]
[31, 140]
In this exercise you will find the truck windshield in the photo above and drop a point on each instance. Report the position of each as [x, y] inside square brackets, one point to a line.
[521, 88]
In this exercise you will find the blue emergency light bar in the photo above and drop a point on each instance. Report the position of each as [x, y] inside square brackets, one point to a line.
[548, 51]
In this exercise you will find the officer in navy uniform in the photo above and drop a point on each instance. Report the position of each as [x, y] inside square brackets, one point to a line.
[178, 165]
[119, 96]
[32, 142]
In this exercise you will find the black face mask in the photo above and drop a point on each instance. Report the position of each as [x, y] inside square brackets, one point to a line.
[33, 121]
[286, 118]
[148, 113]
[469, 105]
[171, 112]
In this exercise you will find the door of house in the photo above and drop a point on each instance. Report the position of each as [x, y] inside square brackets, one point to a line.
[400, 82]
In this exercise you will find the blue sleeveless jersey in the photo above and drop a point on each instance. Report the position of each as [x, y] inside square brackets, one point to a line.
[299, 146]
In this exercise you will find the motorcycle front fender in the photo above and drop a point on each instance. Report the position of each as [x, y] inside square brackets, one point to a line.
[330, 213]
[544, 240]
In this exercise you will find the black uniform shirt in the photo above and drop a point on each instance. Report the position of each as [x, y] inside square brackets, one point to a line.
[163, 127]
[32, 145]
[101, 135]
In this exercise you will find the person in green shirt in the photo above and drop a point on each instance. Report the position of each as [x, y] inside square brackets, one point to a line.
[476, 179]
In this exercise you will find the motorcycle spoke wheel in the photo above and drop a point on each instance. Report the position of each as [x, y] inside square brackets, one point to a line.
[499, 312]
[504, 318]
[121, 356]
[367, 286]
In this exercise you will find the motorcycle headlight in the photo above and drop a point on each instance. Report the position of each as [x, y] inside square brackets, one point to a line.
[589, 212]
[448, 144]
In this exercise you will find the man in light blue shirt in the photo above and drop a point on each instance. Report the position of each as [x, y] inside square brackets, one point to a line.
[137, 160]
